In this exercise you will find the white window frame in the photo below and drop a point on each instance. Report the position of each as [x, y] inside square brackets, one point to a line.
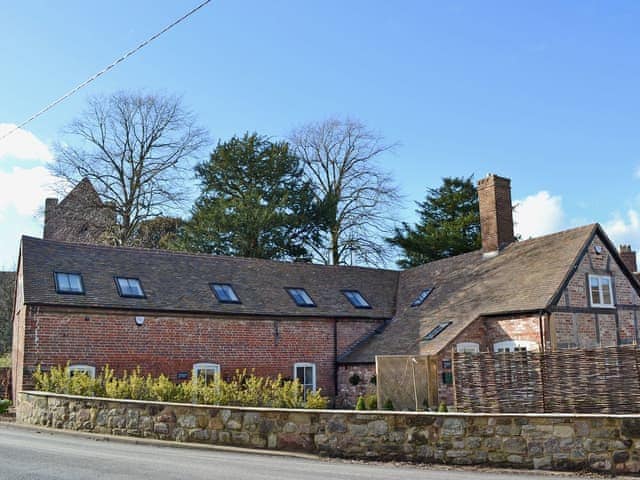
[302, 380]
[600, 291]
[81, 368]
[205, 366]
[515, 345]
[468, 347]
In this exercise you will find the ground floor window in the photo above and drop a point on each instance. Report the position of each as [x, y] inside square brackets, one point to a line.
[515, 346]
[306, 375]
[210, 372]
[86, 369]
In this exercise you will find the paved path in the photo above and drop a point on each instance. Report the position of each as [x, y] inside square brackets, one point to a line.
[27, 454]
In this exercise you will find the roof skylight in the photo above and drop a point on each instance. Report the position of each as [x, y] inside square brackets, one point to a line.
[436, 331]
[129, 287]
[356, 299]
[69, 283]
[422, 297]
[225, 293]
[301, 297]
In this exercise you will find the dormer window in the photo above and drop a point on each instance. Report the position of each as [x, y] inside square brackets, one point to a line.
[69, 283]
[356, 299]
[600, 291]
[225, 293]
[424, 294]
[129, 287]
[436, 331]
[301, 297]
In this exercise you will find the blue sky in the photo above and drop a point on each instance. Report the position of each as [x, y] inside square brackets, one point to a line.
[545, 93]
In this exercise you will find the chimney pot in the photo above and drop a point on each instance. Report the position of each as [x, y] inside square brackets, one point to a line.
[496, 212]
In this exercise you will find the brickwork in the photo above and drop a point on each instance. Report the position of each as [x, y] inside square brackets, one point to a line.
[496, 216]
[352, 331]
[81, 217]
[348, 393]
[270, 346]
[603, 327]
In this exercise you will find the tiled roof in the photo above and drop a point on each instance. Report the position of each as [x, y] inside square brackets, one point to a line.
[179, 282]
[524, 276]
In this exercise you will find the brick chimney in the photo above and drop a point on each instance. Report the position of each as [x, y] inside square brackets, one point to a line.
[496, 214]
[628, 257]
[49, 206]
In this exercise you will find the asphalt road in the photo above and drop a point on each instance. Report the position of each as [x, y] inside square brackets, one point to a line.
[30, 455]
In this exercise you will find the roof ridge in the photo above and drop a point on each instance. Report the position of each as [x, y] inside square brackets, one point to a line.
[176, 253]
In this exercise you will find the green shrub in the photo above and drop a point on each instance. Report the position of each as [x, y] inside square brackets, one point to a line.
[388, 405]
[4, 406]
[243, 389]
[360, 405]
[371, 401]
[442, 407]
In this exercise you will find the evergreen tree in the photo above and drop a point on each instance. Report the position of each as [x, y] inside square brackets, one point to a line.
[254, 202]
[449, 224]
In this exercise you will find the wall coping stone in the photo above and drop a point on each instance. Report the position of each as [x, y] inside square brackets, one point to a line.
[336, 411]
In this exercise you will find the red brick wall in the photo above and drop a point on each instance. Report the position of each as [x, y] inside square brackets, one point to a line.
[172, 344]
[604, 327]
[352, 331]
[347, 392]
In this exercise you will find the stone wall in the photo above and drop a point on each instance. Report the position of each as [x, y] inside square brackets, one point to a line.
[562, 442]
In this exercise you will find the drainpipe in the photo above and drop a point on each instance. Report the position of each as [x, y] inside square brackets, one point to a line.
[540, 327]
[335, 361]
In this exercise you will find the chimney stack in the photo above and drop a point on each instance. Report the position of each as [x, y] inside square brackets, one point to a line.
[628, 257]
[49, 206]
[496, 213]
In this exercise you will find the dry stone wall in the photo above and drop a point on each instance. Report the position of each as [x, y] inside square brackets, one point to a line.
[562, 442]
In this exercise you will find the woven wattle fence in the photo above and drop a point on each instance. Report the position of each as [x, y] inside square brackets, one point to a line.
[605, 380]
[5, 382]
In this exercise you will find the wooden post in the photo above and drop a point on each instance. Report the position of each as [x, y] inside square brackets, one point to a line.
[453, 377]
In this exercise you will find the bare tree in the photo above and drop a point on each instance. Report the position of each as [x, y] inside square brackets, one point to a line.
[339, 157]
[135, 149]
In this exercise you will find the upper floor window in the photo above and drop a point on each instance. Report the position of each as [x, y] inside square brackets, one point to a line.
[209, 372]
[87, 370]
[69, 283]
[129, 287]
[467, 347]
[424, 294]
[600, 291]
[301, 297]
[356, 299]
[225, 293]
[515, 346]
[436, 331]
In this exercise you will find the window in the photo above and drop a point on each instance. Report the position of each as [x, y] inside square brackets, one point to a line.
[86, 369]
[225, 293]
[515, 346]
[306, 375]
[129, 287]
[301, 297]
[356, 298]
[69, 283]
[422, 297]
[436, 331]
[210, 372]
[467, 347]
[600, 291]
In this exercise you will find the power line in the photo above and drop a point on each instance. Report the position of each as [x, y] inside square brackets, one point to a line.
[104, 70]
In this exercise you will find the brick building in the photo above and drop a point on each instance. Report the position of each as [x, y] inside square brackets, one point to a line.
[172, 312]
[80, 217]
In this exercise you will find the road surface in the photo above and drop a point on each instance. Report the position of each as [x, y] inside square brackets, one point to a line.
[27, 454]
